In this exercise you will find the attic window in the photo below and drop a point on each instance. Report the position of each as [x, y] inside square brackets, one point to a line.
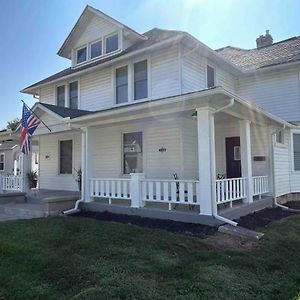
[111, 43]
[96, 49]
[81, 55]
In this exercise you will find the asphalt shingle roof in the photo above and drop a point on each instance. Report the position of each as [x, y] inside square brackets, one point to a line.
[154, 36]
[278, 53]
[66, 112]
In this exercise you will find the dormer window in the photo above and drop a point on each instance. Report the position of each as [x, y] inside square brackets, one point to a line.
[111, 43]
[96, 49]
[81, 55]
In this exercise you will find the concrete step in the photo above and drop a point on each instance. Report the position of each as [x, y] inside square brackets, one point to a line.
[24, 210]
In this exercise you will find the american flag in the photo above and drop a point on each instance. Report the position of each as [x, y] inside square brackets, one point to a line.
[29, 124]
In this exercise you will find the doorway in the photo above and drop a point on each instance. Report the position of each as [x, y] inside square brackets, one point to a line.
[233, 157]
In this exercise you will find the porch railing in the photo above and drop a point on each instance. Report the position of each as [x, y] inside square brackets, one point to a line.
[260, 185]
[112, 188]
[229, 190]
[170, 191]
[12, 183]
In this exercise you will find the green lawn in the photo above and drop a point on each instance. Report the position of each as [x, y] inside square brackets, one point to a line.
[73, 258]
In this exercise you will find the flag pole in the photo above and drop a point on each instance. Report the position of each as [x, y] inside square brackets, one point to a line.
[36, 115]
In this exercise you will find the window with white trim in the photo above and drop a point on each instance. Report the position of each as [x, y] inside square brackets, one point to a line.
[296, 150]
[65, 157]
[280, 136]
[111, 43]
[61, 96]
[81, 55]
[210, 76]
[73, 94]
[140, 70]
[2, 161]
[96, 49]
[132, 152]
[122, 85]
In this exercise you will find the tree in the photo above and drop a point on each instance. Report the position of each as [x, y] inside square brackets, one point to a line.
[13, 124]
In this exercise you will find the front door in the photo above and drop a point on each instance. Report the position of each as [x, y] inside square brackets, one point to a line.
[233, 157]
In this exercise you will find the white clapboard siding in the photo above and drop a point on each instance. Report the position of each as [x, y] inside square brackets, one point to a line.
[193, 71]
[165, 79]
[47, 94]
[49, 162]
[225, 79]
[276, 91]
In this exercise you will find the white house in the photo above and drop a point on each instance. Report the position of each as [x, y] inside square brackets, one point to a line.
[134, 109]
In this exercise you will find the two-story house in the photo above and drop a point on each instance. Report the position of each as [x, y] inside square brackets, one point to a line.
[159, 124]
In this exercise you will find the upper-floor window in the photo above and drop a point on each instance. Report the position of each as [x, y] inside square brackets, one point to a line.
[81, 55]
[210, 76]
[96, 49]
[140, 80]
[296, 149]
[2, 162]
[279, 136]
[122, 85]
[73, 94]
[61, 96]
[111, 43]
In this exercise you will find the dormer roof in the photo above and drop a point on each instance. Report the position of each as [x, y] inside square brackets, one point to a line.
[88, 13]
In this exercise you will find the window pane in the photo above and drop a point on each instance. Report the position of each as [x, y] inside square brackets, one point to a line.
[2, 162]
[140, 80]
[81, 55]
[96, 49]
[210, 77]
[122, 85]
[1, 166]
[296, 142]
[66, 157]
[60, 94]
[111, 43]
[73, 94]
[133, 154]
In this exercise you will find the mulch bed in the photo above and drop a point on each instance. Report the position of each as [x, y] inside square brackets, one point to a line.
[293, 204]
[264, 217]
[197, 230]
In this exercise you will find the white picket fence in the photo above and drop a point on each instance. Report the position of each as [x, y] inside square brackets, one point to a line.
[170, 191]
[229, 190]
[112, 188]
[260, 185]
[12, 183]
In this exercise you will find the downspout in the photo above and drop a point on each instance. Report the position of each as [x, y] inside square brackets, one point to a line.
[83, 159]
[273, 173]
[213, 171]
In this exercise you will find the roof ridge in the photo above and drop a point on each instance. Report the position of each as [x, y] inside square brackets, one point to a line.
[231, 47]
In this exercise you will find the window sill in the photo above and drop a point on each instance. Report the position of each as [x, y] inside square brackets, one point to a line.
[132, 102]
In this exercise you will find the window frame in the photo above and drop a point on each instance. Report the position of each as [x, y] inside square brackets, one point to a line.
[3, 154]
[278, 143]
[56, 94]
[292, 151]
[90, 58]
[117, 33]
[69, 98]
[122, 149]
[58, 160]
[133, 82]
[87, 54]
[209, 65]
[128, 84]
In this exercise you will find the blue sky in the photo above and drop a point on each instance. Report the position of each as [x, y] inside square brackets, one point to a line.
[32, 31]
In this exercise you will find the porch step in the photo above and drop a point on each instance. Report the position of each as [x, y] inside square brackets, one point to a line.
[23, 210]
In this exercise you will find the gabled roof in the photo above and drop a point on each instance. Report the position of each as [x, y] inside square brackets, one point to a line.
[154, 36]
[286, 51]
[99, 13]
[8, 145]
[64, 112]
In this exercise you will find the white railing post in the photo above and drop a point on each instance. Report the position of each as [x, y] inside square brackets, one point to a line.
[136, 189]
[246, 157]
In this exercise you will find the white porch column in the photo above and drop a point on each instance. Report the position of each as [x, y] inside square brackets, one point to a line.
[206, 160]
[136, 189]
[246, 157]
[87, 161]
[25, 169]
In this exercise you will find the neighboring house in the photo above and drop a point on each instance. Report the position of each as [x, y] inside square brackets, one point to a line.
[134, 109]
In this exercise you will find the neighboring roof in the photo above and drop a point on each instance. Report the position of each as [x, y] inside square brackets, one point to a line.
[99, 13]
[154, 36]
[282, 52]
[8, 145]
[65, 112]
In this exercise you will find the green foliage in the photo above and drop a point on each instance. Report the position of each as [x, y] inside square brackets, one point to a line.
[79, 258]
[13, 124]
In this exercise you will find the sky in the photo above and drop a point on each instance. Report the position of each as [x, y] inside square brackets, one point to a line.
[32, 31]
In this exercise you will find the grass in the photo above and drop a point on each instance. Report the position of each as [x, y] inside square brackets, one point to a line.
[78, 258]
